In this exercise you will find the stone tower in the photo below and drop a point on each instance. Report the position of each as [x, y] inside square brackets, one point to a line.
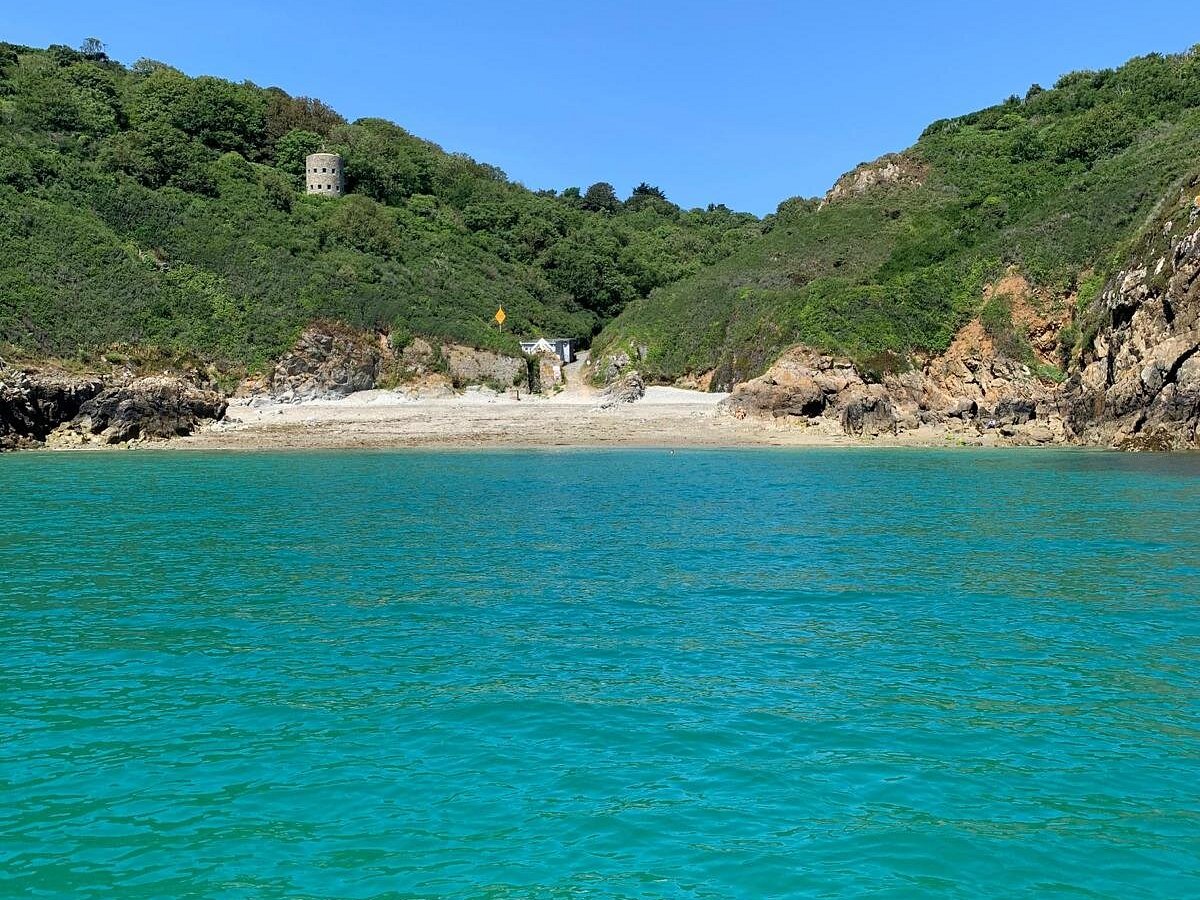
[323, 174]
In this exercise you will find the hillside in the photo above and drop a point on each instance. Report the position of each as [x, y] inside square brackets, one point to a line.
[1053, 187]
[141, 207]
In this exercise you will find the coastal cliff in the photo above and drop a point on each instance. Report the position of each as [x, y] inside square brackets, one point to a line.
[1133, 367]
[889, 266]
[1137, 384]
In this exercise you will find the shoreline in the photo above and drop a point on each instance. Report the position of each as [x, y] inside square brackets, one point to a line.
[479, 421]
[665, 419]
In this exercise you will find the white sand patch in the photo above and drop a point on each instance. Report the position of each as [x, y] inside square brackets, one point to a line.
[674, 395]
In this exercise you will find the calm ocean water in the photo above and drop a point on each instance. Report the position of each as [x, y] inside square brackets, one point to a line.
[600, 674]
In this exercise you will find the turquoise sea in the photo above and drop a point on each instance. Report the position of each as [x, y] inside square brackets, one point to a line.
[605, 674]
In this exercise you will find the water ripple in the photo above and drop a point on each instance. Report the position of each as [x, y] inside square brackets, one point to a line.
[618, 674]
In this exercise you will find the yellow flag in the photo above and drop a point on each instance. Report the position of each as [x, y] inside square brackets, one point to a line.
[500, 316]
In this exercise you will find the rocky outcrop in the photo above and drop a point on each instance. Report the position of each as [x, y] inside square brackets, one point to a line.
[39, 407]
[328, 361]
[870, 415]
[892, 169]
[806, 385]
[419, 358]
[612, 365]
[1138, 385]
[969, 392]
[549, 370]
[470, 366]
[34, 403]
[803, 383]
[628, 389]
[152, 408]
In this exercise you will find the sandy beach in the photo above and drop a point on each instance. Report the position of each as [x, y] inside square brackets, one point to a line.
[665, 417]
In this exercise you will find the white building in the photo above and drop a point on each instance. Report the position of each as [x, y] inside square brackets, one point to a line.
[563, 347]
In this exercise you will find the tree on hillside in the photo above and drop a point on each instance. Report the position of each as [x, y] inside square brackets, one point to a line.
[93, 48]
[79, 97]
[293, 147]
[159, 154]
[286, 113]
[219, 114]
[645, 193]
[601, 197]
[648, 190]
[384, 161]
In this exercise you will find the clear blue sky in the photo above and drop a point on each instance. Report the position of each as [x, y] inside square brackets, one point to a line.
[743, 103]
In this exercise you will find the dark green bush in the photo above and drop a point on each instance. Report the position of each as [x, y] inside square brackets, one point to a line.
[141, 205]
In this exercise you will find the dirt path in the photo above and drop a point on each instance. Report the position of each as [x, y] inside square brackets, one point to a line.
[575, 383]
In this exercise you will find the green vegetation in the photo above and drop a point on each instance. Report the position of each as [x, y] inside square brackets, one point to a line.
[142, 207]
[1055, 184]
[996, 317]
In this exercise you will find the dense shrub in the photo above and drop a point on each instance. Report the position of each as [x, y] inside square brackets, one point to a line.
[141, 205]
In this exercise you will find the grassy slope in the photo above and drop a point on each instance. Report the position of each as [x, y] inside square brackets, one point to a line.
[1054, 184]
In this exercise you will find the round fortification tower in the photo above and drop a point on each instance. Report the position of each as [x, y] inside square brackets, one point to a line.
[323, 174]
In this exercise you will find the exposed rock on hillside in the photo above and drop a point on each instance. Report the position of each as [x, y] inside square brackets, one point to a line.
[154, 408]
[969, 392]
[470, 366]
[328, 361]
[628, 389]
[892, 169]
[610, 367]
[1138, 385]
[419, 358]
[331, 361]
